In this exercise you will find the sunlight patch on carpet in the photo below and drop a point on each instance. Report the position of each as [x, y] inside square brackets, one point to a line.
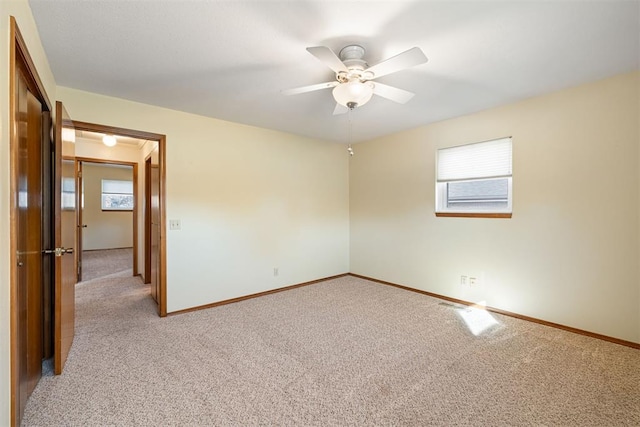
[477, 319]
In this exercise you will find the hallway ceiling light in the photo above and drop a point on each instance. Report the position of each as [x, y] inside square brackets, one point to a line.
[109, 140]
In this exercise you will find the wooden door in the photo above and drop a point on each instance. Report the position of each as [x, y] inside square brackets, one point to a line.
[79, 223]
[48, 232]
[147, 226]
[29, 310]
[65, 238]
[154, 190]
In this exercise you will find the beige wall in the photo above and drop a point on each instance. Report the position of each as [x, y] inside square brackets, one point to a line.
[21, 11]
[248, 199]
[105, 229]
[569, 254]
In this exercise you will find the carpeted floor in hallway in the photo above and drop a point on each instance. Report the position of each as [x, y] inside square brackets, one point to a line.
[100, 263]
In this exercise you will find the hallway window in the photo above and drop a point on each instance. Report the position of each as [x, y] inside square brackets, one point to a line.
[117, 195]
[68, 194]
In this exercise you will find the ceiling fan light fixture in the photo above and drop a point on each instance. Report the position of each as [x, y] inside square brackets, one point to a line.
[109, 140]
[353, 92]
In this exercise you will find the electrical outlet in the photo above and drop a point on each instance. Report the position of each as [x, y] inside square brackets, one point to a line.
[174, 224]
[473, 281]
[463, 280]
[275, 271]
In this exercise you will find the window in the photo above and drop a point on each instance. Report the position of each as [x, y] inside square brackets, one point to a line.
[68, 194]
[475, 180]
[117, 195]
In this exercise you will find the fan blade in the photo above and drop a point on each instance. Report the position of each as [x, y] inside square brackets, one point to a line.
[309, 88]
[329, 58]
[340, 109]
[400, 96]
[406, 59]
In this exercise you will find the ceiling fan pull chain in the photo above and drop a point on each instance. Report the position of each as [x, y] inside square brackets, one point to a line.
[349, 131]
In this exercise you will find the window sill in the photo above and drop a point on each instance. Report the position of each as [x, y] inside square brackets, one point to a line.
[472, 215]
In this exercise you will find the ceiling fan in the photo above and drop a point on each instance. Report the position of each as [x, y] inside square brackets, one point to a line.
[354, 84]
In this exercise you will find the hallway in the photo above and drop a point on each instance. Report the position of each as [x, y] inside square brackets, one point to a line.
[100, 263]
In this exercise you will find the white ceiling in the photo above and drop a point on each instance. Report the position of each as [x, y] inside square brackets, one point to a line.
[231, 59]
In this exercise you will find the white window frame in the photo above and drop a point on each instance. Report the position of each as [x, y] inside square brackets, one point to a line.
[479, 169]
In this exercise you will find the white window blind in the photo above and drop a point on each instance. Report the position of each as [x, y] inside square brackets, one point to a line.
[117, 187]
[475, 178]
[482, 160]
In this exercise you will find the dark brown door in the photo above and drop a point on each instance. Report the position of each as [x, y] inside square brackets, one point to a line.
[79, 222]
[28, 240]
[147, 224]
[48, 232]
[154, 191]
[66, 231]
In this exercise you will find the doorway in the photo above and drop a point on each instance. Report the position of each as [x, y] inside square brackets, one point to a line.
[108, 212]
[42, 293]
[152, 250]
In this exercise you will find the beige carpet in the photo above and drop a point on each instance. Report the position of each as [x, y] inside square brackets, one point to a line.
[342, 352]
[100, 263]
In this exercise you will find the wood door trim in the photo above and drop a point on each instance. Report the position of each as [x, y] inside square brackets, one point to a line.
[13, 154]
[19, 59]
[92, 127]
[162, 303]
[162, 140]
[135, 197]
[105, 161]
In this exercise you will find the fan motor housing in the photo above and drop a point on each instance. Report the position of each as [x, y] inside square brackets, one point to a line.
[351, 56]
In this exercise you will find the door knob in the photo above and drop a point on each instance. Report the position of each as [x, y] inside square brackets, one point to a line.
[58, 251]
